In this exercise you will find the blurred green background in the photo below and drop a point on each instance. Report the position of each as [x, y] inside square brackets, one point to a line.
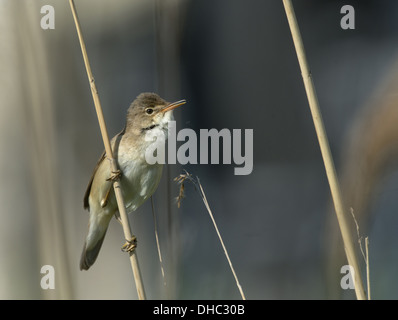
[235, 64]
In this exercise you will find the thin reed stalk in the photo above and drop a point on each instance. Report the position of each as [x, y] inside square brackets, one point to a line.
[181, 179]
[155, 225]
[109, 155]
[167, 17]
[340, 209]
[367, 266]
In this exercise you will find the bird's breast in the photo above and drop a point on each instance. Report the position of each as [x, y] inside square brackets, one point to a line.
[139, 181]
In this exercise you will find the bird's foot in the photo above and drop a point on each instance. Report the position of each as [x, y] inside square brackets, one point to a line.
[130, 245]
[116, 175]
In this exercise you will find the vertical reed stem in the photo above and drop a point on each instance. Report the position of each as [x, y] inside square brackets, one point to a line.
[116, 184]
[325, 150]
[367, 266]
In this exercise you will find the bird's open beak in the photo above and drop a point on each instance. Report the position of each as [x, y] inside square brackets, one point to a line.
[173, 105]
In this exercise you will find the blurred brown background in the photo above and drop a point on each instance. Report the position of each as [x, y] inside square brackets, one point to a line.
[235, 64]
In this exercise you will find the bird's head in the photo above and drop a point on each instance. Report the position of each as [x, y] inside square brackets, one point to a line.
[148, 112]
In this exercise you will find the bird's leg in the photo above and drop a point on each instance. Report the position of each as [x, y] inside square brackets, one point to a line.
[116, 175]
[130, 245]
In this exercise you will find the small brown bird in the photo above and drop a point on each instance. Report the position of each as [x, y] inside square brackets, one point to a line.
[147, 114]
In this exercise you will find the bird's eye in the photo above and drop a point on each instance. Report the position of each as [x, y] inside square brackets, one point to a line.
[149, 111]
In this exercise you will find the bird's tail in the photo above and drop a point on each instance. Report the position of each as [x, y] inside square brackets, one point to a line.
[92, 245]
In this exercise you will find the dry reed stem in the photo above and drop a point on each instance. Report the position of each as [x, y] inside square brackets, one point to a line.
[358, 235]
[157, 241]
[367, 265]
[325, 150]
[365, 254]
[187, 176]
[109, 155]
